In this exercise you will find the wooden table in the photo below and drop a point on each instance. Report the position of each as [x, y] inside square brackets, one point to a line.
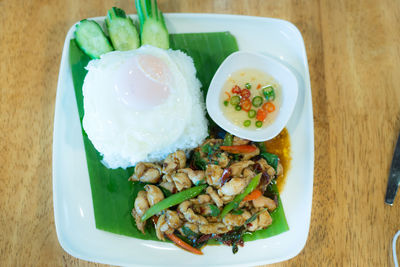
[353, 52]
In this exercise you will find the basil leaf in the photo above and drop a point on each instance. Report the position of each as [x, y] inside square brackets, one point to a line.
[228, 140]
[262, 147]
[199, 162]
[254, 216]
[271, 159]
[165, 191]
[214, 210]
[237, 212]
[189, 233]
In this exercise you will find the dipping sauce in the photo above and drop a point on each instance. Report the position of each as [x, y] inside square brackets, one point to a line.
[250, 99]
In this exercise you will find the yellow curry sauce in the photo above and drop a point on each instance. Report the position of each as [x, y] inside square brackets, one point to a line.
[280, 145]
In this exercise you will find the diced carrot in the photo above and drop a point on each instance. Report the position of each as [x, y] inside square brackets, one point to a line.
[184, 245]
[238, 149]
[258, 86]
[229, 96]
[253, 195]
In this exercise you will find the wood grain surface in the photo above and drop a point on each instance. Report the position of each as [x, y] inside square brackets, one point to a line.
[353, 50]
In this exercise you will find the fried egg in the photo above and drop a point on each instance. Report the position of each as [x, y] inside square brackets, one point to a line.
[143, 104]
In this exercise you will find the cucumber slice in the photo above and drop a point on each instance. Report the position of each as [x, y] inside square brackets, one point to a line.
[91, 39]
[152, 25]
[122, 31]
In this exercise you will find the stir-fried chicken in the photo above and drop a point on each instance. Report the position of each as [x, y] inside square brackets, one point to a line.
[227, 175]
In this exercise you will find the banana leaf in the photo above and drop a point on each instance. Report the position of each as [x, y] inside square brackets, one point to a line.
[113, 195]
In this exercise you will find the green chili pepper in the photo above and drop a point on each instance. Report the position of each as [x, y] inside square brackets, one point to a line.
[259, 124]
[238, 108]
[252, 113]
[257, 101]
[235, 100]
[226, 103]
[269, 92]
[236, 201]
[246, 123]
[247, 85]
[173, 200]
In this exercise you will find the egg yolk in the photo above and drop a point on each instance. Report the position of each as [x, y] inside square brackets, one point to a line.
[143, 82]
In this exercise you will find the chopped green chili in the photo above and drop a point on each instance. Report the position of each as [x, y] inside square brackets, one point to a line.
[235, 100]
[269, 92]
[257, 101]
[252, 113]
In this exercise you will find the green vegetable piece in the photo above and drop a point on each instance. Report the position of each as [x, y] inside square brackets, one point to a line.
[252, 113]
[235, 100]
[228, 140]
[257, 101]
[238, 108]
[226, 103]
[259, 124]
[207, 149]
[173, 200]
[247, 85]
[268, 92]
[214, 210]
[254, 216]
[91, 39]
[237, 212]
[246, 123]
[123, 33]
[152, 25]
[189, 233]
[262, 147]
[166, 192]
[236, 201]
[271, 159]
[199, 162]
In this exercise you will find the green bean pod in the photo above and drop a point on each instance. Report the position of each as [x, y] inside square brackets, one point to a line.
[173, 200]
[236, 201]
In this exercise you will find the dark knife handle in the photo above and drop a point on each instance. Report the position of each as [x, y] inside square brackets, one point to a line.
[394, 176]
[392, 187]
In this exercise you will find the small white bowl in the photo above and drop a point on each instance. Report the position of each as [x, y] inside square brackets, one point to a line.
[245, 60]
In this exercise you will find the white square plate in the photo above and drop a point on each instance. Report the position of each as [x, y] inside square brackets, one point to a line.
[73, 208]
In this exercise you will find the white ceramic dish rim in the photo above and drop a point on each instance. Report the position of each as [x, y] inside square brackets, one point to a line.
[60, 205]
[250, 60]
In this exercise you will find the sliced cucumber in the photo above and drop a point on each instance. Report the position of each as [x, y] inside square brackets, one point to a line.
[91, 39]
[152, 25]
[122, 31]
